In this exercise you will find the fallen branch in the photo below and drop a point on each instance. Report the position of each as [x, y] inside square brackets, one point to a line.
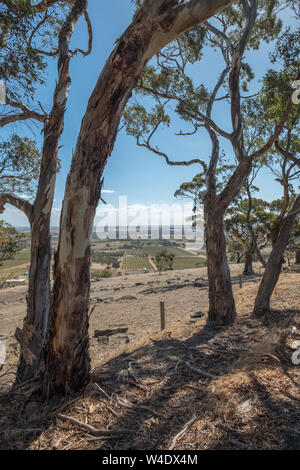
[111, 410]
[103, 438]
[130, 373]
[132, 406]
[182, 432]
[111, 332]
[62, 408]
[93, 431]
[199, 371]
[231, 348]
[292, 397]
[102, 391]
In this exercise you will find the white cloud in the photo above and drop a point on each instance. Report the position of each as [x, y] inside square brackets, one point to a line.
[107, 191]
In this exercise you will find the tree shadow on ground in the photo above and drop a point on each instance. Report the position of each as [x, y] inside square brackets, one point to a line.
[183, 393]
[152, 392]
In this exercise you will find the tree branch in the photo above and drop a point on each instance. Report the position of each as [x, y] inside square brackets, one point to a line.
[18, 202]
[26, 114]
[90, 33]
[275, 135]
[186, 16]
[287, 154]
[170, 162]
[221, 35]
[234, 82]
[211, 181]
[250, 228]
[197, 117]
[55, 121]
[45, 4]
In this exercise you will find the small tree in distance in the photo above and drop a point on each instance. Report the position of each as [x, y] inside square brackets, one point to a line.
[11, 241]
[164, 260]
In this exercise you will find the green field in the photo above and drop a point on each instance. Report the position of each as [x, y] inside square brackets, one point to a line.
[188, 262]
[183, 260]
[15, 268]
[23, 257]
[178, 252]
[136, 263]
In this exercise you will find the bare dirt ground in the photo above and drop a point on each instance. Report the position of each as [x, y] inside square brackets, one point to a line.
[125, 301]
[148, 386]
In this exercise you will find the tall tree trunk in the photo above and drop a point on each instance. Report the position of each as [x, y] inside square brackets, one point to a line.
[298, 256]
[221, 300]
[67, 363]
[248, 267]
[273, 268]
[33, 333]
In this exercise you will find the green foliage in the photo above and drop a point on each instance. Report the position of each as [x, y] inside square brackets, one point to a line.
[138, 122]
[287, 48]
[196, 188]
[23, 34]
[103, 274]
[107, 257]
[19, 164]
[267, 25]
[235, 250]
[276, 208]
[172, 85]
[263, 112]
[11, 241]
[261, 219]
[164, 260]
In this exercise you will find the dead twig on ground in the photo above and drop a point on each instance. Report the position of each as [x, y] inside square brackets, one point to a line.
[102, 391]
[91, 429]
[182, 432]
[131, 407]
[198, 371]
[130, 373]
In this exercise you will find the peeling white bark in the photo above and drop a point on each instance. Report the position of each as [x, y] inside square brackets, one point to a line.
[157, 23]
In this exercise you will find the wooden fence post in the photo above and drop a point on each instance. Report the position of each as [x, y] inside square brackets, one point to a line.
[162, 316]
[241, 280]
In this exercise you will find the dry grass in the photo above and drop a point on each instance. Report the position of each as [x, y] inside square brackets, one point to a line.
[253, 404]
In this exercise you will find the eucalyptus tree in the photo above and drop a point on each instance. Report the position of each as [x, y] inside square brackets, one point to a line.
[28, 35]
[286, 154]
[242, 213]
[236, 30]
[32, 335]
[155, 24]
[164, 260]
[247, 220]
[66, 362]
[11, 241]
[285, 225]
[19, 165]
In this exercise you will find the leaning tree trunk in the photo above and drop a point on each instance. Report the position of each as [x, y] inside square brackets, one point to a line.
[67, 363]
[275, 261]
[221, 301]
[33, 333]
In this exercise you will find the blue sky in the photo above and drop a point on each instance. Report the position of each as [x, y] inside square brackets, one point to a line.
[140, 175]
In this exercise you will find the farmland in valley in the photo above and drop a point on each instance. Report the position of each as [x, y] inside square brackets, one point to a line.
[136, 263]
[186, 262]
